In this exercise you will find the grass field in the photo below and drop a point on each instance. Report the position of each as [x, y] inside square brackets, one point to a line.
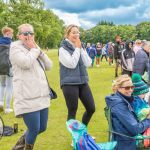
[56, 136]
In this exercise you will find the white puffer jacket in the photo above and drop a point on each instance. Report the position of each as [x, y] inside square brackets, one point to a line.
[30, 87]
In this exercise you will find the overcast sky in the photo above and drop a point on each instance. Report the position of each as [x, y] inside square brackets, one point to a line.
[87, 13]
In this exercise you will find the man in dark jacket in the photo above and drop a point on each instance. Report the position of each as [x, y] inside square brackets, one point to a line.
[119, 46]
[141, 59]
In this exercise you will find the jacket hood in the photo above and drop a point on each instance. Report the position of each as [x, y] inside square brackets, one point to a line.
[113, 99]
[127, 45]
[5, 40]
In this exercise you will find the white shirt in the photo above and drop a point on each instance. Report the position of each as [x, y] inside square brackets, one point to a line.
[71, 61]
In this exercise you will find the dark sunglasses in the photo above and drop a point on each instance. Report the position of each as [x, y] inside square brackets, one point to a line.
[128, 87]
[27, 33]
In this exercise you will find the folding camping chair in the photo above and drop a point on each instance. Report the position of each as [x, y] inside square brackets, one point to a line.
[77, 130]
[139, 138]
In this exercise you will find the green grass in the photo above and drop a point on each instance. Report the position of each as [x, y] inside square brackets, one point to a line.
[56, 136]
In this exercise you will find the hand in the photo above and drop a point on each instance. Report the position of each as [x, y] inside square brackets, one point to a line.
[29, 42]
[148, 116]
[78, 43]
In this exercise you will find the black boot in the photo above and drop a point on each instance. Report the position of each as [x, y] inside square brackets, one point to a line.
[29, 147]
[20, 145]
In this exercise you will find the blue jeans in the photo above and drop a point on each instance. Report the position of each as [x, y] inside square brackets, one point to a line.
[36, 123]
[6, 89]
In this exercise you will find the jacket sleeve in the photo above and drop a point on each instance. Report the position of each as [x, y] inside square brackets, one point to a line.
[68, 60]
[123, 59]
[23, 60]
[46, 61]
[128, 120]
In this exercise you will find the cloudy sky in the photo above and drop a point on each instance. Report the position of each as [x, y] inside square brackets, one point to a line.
[87, 13]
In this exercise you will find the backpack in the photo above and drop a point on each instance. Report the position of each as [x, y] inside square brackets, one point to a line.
[86, 142]
[8, 131]
[4, 59]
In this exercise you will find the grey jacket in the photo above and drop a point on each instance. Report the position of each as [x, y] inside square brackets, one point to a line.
[68, 76]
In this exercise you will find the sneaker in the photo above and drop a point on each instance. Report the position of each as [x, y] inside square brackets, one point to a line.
[94, 138]
[1, 106]
[8, 110]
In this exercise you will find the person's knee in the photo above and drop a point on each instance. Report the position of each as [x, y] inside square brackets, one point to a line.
[91, 110]
[43, 128]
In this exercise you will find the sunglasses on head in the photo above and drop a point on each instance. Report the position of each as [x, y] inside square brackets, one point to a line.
[27, 33]
[128, 87]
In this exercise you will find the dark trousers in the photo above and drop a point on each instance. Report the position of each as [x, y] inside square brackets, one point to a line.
[104, 56]
[127, 72]
[72, 93]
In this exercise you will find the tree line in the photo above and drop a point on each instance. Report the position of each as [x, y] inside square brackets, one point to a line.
[49, 29]
[106, 31]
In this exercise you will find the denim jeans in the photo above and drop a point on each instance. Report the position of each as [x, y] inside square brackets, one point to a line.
[36, 123]
[6, 89]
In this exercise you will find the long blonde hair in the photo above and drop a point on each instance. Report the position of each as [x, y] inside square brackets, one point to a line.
[119, 82]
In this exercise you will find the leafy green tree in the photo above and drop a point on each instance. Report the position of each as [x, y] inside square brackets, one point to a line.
[48, 27]
[143, 30]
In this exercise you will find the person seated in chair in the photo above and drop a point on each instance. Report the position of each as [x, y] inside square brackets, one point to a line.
[124, 120]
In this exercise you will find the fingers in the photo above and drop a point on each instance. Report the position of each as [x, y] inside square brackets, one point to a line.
[29, 42]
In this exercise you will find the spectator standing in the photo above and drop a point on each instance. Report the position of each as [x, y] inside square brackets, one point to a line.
[88, 48]
[141, 62]
[31, 91]
[92, 54]
[127, 58]
[6, 80]
[104, 53]
[137, 46]
[110, 52]
[117, 53]
[98, 54]
[73, 75]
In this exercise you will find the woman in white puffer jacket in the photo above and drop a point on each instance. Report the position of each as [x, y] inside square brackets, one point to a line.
[30, 87]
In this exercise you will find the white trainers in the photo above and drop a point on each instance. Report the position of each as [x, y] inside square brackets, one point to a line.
[93, 138]
[1, 106]
[8, 110]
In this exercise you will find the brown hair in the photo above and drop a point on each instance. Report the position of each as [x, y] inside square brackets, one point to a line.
[7, 29]
[68, 29]
[119, 82]
[117, 37]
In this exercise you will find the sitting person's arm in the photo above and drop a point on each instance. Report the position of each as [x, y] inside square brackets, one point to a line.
[128, 120]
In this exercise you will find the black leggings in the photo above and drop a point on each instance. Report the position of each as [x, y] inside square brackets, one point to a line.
[72, 93]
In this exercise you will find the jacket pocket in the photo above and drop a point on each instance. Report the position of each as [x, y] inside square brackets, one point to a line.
[31, 88]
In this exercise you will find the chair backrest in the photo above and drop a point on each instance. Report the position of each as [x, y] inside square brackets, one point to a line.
[109, 120]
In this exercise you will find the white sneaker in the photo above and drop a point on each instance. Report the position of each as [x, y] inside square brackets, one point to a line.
[93, 138]
[8, 110]
[1, 106]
